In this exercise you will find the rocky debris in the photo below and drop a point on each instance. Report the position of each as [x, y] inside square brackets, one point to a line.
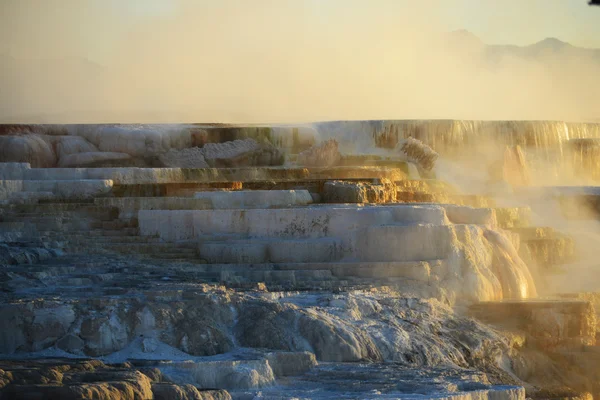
[419, 153]
[90, 159]
[241, 153]
[325, 154]
[29, 148]
[186, 158]
[360, 192]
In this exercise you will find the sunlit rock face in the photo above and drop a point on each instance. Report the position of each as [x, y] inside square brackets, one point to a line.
[477, 262]
[555, 152]
[418, 153]
[512, 168]
[333, 268]
[549, 324]
[515, 277]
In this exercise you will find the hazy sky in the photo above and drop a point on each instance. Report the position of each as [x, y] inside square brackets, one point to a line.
[95, 28]
[291, 60]
[525, 22]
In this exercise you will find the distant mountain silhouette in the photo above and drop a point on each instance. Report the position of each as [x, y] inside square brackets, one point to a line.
[548, 49]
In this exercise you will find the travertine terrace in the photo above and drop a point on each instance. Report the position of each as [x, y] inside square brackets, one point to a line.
[331, 260]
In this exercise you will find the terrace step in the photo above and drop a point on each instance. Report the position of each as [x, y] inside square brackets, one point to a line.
[271, 250]
[420, 271]
[404, 242]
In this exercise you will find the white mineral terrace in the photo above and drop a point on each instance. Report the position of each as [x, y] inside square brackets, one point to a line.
[324, 261]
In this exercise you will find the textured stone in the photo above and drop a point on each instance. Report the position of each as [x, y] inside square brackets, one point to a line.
[49, 324]
[471, 215]
[185, 158]
[239, 153]
[170, 391]
[30, 148]
[549, 324]
[418, 152]
[129, 206]
[10, 188]
[72, 189]
[315, 221]
[136, 140]
[68, 145]
[90, 159]
[351, 192]
[291, 363]
[247, 374]
[405, 243]
[103, 335]
[71, 344]
[256, 198]
[325, 154]
[513, 217]
[13, 170]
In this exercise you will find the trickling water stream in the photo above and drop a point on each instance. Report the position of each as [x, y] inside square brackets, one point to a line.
[557, 152]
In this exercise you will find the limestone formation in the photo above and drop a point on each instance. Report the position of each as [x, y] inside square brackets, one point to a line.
[226, 275]
[324, 155]
[13, 171]
[30, 148]
[256, 198]
[92, 159]
[512, 168]
[68, 145]
[350, 192]
[241, 153]
[186, 158]
[418, 153]
[136, 140]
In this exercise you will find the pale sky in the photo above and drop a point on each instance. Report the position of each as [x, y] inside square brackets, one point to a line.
[523, 22]
[94, 28]
[291, 60]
